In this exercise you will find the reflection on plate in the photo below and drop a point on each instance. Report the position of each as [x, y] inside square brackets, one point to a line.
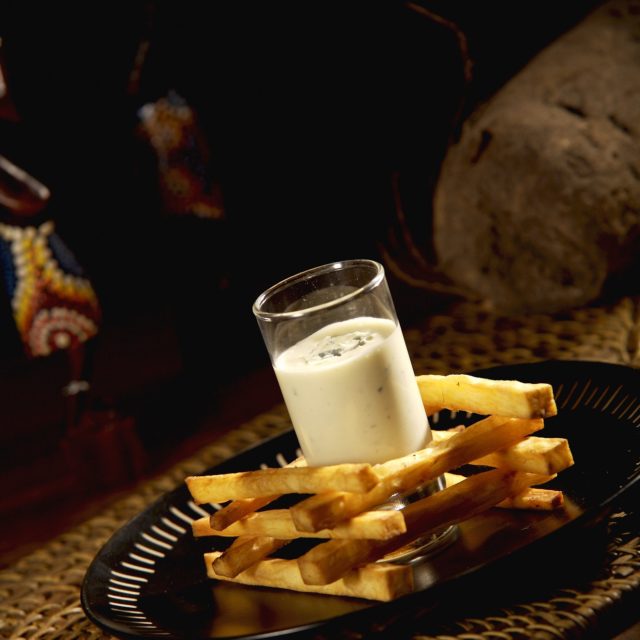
[149, 580]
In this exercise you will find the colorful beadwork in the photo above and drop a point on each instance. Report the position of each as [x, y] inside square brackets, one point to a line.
[54, 305]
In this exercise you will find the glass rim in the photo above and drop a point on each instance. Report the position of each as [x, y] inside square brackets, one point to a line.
[338, 265]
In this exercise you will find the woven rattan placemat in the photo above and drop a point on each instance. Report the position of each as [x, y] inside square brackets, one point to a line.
[39, 594]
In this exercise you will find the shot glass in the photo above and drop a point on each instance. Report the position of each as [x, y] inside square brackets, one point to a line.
[340, 358]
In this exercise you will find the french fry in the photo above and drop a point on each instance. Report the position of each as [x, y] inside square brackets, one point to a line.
[278, 523]
[325, 510]
[544, 456]
[237, 509]
[263, 483]
[378, 581]
[532, 498]
[328, 561]
[244, 552]
[462, 392]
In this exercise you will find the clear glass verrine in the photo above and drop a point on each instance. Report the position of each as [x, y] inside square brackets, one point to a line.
[342, 364]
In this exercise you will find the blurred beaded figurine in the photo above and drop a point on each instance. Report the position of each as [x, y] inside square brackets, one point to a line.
[55, 308]
[54, 305]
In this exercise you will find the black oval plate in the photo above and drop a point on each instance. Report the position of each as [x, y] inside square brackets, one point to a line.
[149, 580]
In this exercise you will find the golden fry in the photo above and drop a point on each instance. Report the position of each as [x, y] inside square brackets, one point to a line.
[512, 398]
[535, 499]
[544, 456]
[278, 523]
[532, 498]
[244, 552]
[238, 509]
[378, 581]
[264, 483]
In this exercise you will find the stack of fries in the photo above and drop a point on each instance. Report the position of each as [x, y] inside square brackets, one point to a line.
[342, 506]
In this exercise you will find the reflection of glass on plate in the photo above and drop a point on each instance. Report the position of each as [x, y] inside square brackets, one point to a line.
[271, 610]
[340, 358]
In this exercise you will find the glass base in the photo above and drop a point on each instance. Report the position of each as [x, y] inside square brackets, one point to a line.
[424, 546]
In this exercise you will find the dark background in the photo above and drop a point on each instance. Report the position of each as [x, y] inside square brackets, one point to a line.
[310, 110]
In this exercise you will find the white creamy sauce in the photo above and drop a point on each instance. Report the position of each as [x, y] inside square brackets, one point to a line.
[351, 393]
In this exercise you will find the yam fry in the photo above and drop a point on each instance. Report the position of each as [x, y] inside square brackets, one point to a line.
[237, 509]
[487, 397]
[278, 523]
[484, 437]
[325, 510]
[532, 498]
[378, 581]
[328, 561]
[262, 483]
[545, 456]
[244, 552]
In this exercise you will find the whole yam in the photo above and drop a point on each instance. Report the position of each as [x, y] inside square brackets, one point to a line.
[539, 201]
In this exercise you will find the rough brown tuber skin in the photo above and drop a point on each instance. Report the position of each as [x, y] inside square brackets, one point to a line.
[539, 201]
